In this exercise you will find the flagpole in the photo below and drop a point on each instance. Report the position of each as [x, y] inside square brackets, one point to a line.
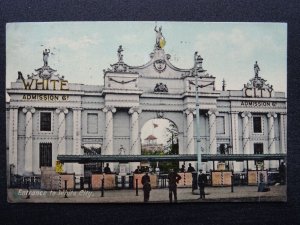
[198, 68]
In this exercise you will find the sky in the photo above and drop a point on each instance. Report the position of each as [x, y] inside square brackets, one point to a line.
[81, 50]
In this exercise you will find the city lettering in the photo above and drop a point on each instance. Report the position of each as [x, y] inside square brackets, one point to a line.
[258, 93]
[43, 84]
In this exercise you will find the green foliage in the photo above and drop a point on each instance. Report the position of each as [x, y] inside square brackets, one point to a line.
[173, 149]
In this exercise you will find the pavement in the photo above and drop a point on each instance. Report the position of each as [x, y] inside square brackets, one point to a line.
[160, 195]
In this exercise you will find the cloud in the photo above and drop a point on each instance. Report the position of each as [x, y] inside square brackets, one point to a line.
[129, 39]
[236, 44]
[74, 44]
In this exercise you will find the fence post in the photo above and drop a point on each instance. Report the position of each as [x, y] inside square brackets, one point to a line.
[66, 182]
[28, 190]
[136, 188]
[102, 187]
[232, 182]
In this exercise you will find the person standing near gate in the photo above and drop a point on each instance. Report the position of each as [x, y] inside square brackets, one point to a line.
[190, 168]
[202, 180]
[146, 187]
[173, 180]
[107, 169]
[282, 173]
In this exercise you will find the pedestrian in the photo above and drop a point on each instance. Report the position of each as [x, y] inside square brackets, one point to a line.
[146, 187]
[282, 171]
[107, 169]
[182, 170]
[202, 180]
[190, 168]
[138, 170]
[173, 180]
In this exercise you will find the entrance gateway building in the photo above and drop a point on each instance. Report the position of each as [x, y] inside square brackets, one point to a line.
[48, 116]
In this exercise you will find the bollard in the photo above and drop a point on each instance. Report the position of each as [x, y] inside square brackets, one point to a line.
[102, 187]
[136, 188]
[232, 182]
[28, 190]
[66, 196]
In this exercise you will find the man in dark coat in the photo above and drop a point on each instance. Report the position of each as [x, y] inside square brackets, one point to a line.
[173, 180]
[138, 170]
[146, 187]
[107, 169]
[202, 180]
[190, 168]
[282, 173]
[182, 170]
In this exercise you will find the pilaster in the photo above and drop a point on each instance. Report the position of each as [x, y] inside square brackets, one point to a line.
[61, 145]
[190, 145]
[283, 123]
[246, 132]
[212, 133]
[271, 138]
[134, 128]
[108, 147]
[78, 168]
[28, 139]
[13, 138]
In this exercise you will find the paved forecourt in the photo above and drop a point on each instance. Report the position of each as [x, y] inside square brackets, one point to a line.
[215, 194]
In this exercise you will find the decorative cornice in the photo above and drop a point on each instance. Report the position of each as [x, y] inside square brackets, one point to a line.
[160, 87]
[258, 82]
[160, 114]
[122, 82]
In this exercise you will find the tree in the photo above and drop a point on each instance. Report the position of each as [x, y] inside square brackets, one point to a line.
[172, 134]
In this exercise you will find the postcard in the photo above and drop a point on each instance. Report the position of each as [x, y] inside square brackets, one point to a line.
[138, 112]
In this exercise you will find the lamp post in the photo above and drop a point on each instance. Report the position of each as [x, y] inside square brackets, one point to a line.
[198, 68]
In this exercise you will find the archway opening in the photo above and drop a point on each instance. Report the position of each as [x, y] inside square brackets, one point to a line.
[159, 137]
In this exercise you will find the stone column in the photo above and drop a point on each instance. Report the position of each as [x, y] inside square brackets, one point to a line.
[108, 147]
[28, 139]
[190, 145]
[135, 144]
[61, 145]
[283, 132]
[246, 132]
[238, 166]
[77, 168]
[271, 138]
[212, 133]
[13, 139]
[134, 128]
[190, 141]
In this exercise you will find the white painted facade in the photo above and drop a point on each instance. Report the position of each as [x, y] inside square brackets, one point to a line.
[114, 114]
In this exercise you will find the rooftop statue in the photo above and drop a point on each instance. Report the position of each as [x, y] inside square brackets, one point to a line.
[256, 69]
[160, 40]
[46, 56]
[120, 56]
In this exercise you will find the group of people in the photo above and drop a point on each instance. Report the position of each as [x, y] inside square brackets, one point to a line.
[174, 179]
[189, 170]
